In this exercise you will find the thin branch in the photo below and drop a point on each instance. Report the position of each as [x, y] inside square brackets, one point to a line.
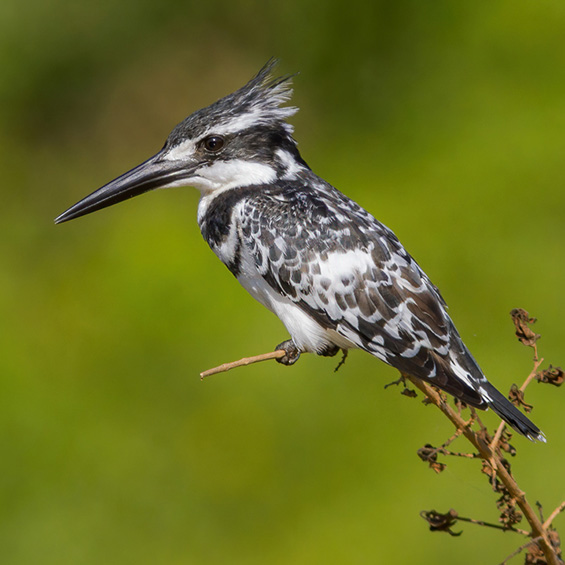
[457, 433]
[519, 550]
[554, 515]
[535, 347]
[243, 362]
[532, 375]
[496, 526]
[444, 451]
[504, 476]
[540, 510]
[497, 435]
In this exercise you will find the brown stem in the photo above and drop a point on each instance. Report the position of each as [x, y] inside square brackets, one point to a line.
[554, 515]
[457, 433]
[496, 526]
[504, 476]
[519, 550]
[243, 362]
[532, 375]
[456, 453]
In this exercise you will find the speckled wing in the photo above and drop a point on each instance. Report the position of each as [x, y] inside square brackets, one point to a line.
[351, 275]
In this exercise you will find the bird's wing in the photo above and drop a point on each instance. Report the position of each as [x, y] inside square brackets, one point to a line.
[351, 274]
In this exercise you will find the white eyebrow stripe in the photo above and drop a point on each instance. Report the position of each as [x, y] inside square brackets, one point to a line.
[254, 117]
[238, 123]
[181, 151]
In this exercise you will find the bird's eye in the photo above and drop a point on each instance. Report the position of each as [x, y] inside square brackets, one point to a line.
[213, 143]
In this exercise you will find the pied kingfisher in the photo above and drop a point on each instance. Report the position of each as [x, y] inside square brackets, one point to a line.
[335, 276]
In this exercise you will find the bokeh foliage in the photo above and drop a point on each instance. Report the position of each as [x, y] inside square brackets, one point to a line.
[444, 119]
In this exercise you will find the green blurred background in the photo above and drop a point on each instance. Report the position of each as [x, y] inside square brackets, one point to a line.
[444, 119]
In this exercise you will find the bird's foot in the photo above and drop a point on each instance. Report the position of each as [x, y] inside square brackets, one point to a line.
[342, 361]
[292, 352]
[405, 390]
[331, 350]
[400, 381]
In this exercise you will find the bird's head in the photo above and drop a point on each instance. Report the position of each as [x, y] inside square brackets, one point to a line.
[240, 140]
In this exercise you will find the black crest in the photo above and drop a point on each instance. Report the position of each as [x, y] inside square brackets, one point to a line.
[257, 103]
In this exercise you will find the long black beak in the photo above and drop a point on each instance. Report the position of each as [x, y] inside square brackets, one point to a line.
[156, 172]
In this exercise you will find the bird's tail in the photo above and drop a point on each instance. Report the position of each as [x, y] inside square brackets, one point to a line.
[510, 414]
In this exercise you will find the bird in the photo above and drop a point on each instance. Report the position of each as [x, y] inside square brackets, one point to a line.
[337, 278]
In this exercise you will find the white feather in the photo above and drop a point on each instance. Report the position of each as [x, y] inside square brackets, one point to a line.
[225, 175]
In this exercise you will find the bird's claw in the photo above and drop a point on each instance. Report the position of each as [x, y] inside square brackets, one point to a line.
[292, 352]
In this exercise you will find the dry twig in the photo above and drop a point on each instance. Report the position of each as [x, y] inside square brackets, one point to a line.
[243, 362]
[499, 469]
[519, 550]
[554, 515]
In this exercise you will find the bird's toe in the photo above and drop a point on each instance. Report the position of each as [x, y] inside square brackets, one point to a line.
[292, 353]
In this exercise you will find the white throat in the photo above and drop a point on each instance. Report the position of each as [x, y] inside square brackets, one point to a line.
[225, 175]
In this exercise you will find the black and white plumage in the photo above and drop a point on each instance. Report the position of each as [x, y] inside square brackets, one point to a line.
[335, 276]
